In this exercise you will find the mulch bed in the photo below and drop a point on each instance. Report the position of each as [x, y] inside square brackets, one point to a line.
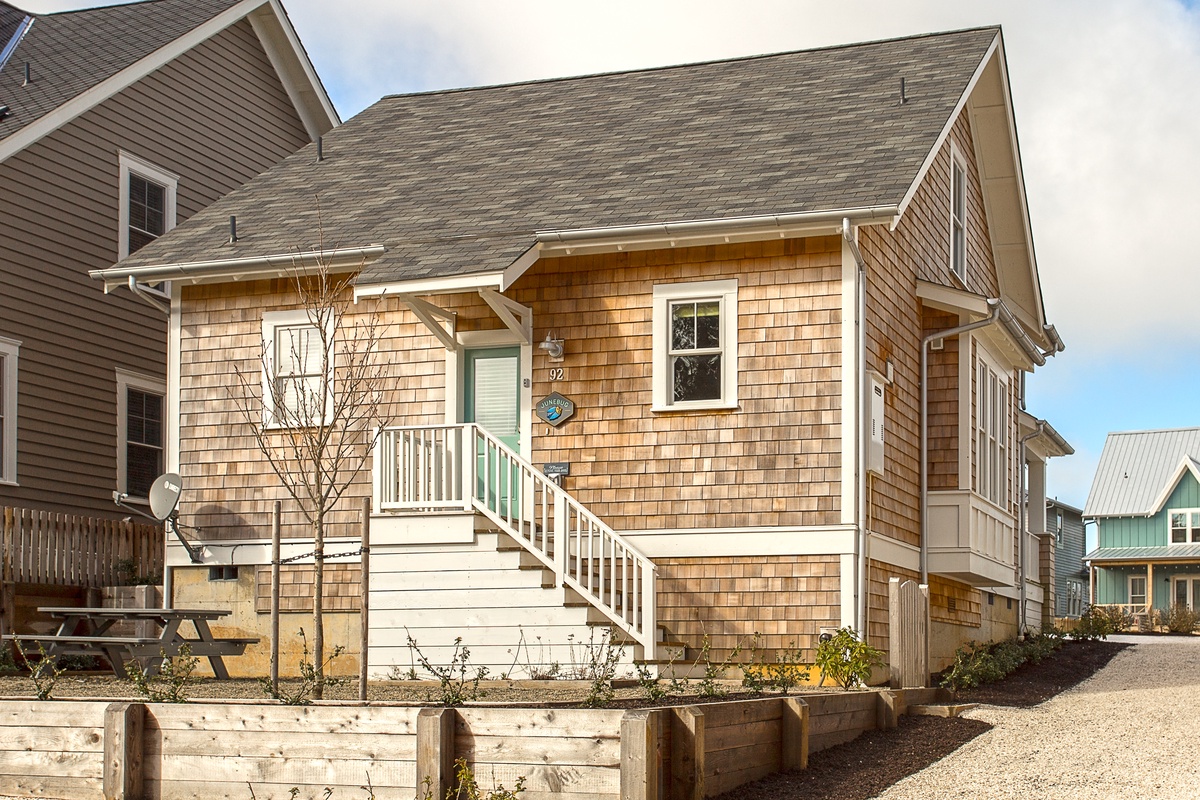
[863, 768]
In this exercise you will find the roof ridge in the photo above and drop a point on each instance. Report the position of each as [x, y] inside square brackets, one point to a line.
[688, 64]
[1154, 430]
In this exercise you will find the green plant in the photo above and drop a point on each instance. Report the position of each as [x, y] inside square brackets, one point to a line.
[170, 684]
[457, 683]
[599, 665]
[714, 670]
[1181, 619]
[467, 787]
[1099, 622]
[45, 675]
[978, 664]
[783, 674]
[846, 659]
[128, 574]
[8, 663]
[312, 679]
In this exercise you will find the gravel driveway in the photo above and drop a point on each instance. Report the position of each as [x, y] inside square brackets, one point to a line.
[1127, 732]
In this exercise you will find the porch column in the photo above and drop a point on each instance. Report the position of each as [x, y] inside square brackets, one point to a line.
[1150, 591]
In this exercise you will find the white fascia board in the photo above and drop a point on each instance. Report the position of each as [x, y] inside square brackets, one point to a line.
[290, 60]
[954, 301]
[690, 233]
[281, 265]
[87, 100]
[1186, 464]
[887, 550]
[941, 139]
[814, 540]
[454, 284]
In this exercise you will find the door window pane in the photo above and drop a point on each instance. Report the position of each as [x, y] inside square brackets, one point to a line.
[495, 393]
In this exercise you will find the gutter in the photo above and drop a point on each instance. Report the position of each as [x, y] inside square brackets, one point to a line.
[343, 259]
[147, 296]
[849, 234]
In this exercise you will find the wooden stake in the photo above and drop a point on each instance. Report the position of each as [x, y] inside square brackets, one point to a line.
[364, 598]
[276, 512]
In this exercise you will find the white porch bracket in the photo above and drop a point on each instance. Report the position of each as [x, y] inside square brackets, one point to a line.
[508, 310]
[441, 323]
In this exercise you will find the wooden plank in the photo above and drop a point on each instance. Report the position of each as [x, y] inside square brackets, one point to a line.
[887, 710]
[688, 753]
[267, 790]
[60, 713]
[640, 757]
[728, 737]
[794, 734]
[823, 704]
[124, 724]
[740, 712]
[551, 778]
[733, 759]
[268, 744]
[55, 786]
[203, 771]
[51, 740]
[557, 722]
[435, 749]
[859, 721]
[726, 781]
[542, 750]
[824, 741]
[298, 719]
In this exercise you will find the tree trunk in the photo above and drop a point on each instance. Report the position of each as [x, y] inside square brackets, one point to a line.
[318, 605]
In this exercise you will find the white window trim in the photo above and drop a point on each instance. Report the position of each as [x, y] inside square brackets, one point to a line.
[725, 292]
[1003, 496]
[9, 355]
[957, 163]
[1175, 580]
[133, 380]
[1129, 589]
[132, 164]
[271, 320]
[1188, 538]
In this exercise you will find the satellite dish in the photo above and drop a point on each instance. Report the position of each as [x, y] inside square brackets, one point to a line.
[164, 495]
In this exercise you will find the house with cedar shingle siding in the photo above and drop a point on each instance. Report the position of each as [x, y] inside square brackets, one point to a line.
[765, 321]
[116, 124]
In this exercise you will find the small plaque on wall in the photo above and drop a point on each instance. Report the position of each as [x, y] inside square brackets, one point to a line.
[554, 409]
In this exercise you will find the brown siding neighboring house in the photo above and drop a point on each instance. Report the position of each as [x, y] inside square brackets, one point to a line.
[730, 276]
[198, 97]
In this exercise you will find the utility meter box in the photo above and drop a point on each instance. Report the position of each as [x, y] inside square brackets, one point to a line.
[875, 436]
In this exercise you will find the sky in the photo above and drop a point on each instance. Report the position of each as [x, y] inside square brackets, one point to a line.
[1107, 101]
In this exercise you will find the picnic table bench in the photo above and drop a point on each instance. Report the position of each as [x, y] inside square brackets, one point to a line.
[85, 631]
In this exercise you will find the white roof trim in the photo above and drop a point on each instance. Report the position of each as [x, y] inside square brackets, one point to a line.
[948, 298]
[344, 259]
[89, 99]
[295, 70]
[941, 140]
[452, 284]
[1186, 464]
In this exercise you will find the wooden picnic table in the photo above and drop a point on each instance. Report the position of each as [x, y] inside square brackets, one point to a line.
[85, 631]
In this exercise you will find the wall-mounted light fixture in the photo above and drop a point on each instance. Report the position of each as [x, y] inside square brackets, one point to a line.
[553, 347]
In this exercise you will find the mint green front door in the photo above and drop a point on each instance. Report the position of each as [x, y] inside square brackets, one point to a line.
[493, 400]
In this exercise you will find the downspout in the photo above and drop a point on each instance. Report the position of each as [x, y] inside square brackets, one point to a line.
[849, 233]
[995, 305]
[143, 295]
[1022, 516]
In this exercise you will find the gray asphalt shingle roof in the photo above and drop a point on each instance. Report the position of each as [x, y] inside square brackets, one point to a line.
[1135, 467]
[70, 52]
[457, 182]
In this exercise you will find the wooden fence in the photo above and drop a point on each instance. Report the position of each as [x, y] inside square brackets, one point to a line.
[67, 550]
[80, 750]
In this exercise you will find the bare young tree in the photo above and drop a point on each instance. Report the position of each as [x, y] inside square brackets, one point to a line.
[318, 407]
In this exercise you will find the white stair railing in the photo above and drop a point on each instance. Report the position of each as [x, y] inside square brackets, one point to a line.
[445, 467]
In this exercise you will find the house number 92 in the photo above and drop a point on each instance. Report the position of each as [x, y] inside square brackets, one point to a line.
[556, 373]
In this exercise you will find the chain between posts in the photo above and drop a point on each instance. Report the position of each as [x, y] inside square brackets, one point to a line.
[314, 555]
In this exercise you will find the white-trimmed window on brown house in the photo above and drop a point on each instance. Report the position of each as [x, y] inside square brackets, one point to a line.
[141, 432]
[992, 451]
[958, 214]
[147, 206]
[297, 371]
[1185, 525]
[9, 349]
[695, 346]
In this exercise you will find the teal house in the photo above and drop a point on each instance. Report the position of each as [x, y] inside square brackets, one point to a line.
[1145, 501]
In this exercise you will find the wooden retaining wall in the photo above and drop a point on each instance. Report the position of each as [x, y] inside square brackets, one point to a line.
[80, 750]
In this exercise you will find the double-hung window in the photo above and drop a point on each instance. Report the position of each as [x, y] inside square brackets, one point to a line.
[1137, 590]
[958, 214]
[141, 433]
[147, 206]
[992, 457]
[9, 348]
[1185, 525]
[695, 345]
[297, 370]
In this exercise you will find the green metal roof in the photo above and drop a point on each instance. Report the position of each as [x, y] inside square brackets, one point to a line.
[1178, 552]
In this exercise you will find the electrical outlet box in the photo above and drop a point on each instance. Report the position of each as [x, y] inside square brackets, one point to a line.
[875, 427]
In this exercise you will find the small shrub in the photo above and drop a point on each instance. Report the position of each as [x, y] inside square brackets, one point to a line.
[457, 682]
[45, 675]
[170, 684]
[468, 787]
[847, 660]
[600, 661]
[541, 667]
[783, 674]
[301, 693]
[979, 664]
[714, 670]
[1181, 619]
[8, 664]
[649, 684]
[1099, 622]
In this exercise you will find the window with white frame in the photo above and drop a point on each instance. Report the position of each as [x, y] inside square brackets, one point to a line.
[141, 432]
[695, 345]
[147, 204]
[1185, 525]
[1137, 590]
[297, 370]
[992, 456]
[9, 349]
[1074, 598]
[958, 214]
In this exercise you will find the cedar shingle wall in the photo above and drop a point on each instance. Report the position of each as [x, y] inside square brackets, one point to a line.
[773, 461]
[943, 404]
[342, 588]
[787, 599]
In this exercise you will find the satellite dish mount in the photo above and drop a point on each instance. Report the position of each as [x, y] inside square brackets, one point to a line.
[164, 507]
